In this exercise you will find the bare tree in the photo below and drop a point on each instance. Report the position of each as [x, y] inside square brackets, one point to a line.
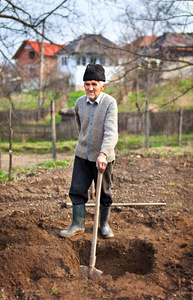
[146, 64]
[22, 20]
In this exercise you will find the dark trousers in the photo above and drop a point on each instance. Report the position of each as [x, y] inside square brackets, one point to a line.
[84, 172]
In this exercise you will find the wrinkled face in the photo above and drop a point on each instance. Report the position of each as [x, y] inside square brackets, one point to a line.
[93, 89]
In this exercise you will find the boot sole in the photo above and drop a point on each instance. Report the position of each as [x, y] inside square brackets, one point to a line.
[71, 234]
[107, 236]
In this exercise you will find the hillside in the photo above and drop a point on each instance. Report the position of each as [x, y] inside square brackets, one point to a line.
[161, 96]
[169, 95]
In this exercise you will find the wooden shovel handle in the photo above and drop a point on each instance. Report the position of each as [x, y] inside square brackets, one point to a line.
[96, 219]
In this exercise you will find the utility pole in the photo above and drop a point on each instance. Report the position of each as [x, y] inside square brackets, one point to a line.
[40, 98]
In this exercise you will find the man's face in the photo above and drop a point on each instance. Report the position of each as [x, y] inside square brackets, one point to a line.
[93, 89]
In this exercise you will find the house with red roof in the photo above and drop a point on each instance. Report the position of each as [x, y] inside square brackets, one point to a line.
[27, 59]
[173, 53]
[170, 53]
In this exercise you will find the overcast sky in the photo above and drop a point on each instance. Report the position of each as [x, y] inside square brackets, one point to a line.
[100, 17]
[95, 17]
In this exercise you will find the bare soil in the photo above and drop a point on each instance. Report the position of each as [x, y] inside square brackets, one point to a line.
[150, 257]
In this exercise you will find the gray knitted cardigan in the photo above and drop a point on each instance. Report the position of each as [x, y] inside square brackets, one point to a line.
[97, 127]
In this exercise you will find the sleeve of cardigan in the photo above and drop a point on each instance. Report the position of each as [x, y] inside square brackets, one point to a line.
[110, 137]
[77, 117]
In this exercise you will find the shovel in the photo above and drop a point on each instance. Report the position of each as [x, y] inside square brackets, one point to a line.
[91, 271]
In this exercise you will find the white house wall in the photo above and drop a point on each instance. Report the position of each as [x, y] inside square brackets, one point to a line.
[110, 73]
[178, 69]
[68, 69]
[76, 72]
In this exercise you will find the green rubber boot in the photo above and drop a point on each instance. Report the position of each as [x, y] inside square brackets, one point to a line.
[78, 222]
[104, 219]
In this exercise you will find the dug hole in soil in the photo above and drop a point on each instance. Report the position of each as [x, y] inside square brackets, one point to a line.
[150, 256]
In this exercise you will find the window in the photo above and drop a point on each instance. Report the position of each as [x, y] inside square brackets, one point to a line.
[93, 59]
[31, 54]
[78, 59]
[153, 64]
[84, 61]
[64, 61]
[102, 60]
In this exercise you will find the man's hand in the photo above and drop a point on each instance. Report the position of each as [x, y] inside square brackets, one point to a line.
[101, 162]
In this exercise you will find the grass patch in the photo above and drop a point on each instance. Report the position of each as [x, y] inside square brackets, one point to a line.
[27, 100]
[110, 90]
[48, 121]
[158, 95]
[129, 142]
[169, 193]
[36, 170]
[161, 95]
[73, 96]
[130, 102]
[3, 176]
[50, 165]
[39, 147]
[176, 203]
[125, 144]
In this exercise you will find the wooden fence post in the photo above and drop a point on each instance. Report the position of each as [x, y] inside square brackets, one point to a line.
[0, 152]
[10, 152]
[10, 147]
[53, 129]
[147, 125]
[180, 127]
[40, 98]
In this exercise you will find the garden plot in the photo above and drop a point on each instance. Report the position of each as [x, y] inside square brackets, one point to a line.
[150, 257]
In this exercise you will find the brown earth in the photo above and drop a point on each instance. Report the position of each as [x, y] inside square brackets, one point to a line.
[150, 257]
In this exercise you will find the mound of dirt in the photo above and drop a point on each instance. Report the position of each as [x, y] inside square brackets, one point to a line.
[150, 257]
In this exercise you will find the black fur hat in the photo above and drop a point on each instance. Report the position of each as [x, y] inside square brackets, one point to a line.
[94, 72]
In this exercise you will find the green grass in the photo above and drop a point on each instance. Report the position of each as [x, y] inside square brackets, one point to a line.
[27, 100]
[125, 144]
[3, 176]
[129, 141]
[57, 120]
[73, 96]
[110, 90]
[184, 83]
[129, 103]
[49, 165]
[163, 94]
[158, 95]
[39, 147]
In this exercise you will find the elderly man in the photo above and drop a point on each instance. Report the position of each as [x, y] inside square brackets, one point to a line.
[96, 118]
